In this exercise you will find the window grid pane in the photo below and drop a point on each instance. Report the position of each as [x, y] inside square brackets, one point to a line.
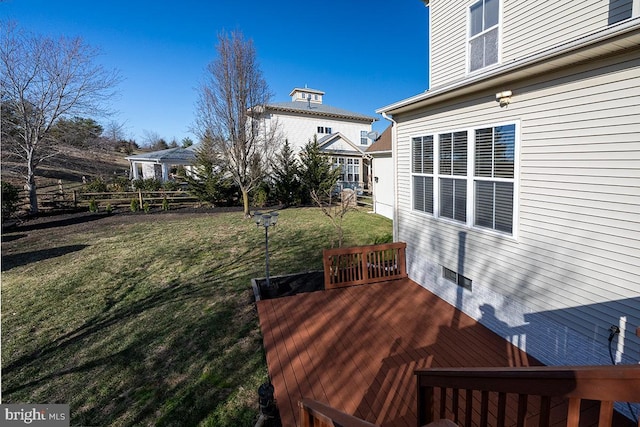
[453, 199]
[460, 153]
[423, 194]
[446, 148]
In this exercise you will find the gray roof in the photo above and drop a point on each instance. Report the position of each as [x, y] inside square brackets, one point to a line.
[178, 155]
[304, 107]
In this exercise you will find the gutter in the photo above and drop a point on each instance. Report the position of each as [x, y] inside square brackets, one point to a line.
[626, 35]
[394, 157]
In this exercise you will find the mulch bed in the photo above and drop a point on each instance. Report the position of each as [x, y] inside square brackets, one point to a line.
[292, 284]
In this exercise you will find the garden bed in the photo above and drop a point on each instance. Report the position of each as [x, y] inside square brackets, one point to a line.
[288, 285]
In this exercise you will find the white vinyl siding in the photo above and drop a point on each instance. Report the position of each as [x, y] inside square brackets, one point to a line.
[574, 255]
[553, 23]
[448, 30]
[549, 24]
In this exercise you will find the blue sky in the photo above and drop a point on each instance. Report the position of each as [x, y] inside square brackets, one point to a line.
[363, 54]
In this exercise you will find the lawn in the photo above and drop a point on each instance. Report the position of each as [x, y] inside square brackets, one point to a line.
[148, 319]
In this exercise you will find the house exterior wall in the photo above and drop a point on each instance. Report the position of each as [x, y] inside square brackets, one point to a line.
[526, 28]
[571, 270]
[382, 169]
[299, 129]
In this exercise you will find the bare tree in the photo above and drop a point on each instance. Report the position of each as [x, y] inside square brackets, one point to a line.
[230, 101]
[114, 132]
[41, 80]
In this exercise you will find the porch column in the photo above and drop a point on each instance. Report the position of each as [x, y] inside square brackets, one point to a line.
[134, 170]
[165, 172]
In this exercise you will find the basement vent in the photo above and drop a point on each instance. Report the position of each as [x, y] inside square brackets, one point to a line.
[456, 278]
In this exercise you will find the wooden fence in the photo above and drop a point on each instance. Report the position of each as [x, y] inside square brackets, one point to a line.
[363, 264]
[74, 199]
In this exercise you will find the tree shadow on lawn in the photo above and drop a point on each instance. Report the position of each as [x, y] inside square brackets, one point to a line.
[15, 260]
[174, 371]
[44, 221]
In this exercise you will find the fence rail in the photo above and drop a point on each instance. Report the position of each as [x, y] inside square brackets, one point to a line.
[73, 199]
[363, 264]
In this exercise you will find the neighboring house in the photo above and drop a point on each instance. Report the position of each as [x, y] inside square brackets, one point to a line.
[518, 172]
[342, 134]
[382, 172]
[158, 164]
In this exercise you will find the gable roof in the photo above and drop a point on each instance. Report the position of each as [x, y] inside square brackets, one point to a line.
[176, 155]
[303, 107]
[325, 141]
[383, 143]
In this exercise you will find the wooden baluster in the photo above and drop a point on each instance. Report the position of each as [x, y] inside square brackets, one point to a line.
[443, 402]
[573, 413]
[606, 413]
[454, 405]
[502, 409]
[484, 409]
[545, 411]
[522, 410]
[468, 408]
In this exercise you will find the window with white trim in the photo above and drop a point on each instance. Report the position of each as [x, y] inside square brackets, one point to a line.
[468, 176]
[353, 170]
[364, 140]
[422, 170]
[484, 19]
[494, 177]
[453, 175]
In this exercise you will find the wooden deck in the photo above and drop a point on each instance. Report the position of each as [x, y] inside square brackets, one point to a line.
[356, 348]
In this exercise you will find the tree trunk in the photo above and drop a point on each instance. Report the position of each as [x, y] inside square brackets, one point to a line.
[30, 185]
[245, 203]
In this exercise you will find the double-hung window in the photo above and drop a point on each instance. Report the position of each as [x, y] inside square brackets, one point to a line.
[363, 137]
[484, 19]
[353, 170]
[453, 175]
[422, 171]
[494, 177]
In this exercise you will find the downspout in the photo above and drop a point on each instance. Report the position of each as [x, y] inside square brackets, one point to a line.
[394, 157]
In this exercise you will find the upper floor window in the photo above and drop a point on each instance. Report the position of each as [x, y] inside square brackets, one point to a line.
[322, 129]
[363, 137]
[484, 17]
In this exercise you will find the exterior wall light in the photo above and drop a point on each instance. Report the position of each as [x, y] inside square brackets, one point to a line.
[504, 98]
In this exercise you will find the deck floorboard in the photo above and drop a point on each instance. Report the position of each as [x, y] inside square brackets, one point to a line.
[356, 348]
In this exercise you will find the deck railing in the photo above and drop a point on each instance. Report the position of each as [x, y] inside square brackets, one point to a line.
[316, 414]
[514, 396]
[360, 265]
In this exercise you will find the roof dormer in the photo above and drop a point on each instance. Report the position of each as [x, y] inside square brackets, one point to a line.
[308, 95]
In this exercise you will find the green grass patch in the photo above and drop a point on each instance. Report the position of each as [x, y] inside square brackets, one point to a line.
[150, 321]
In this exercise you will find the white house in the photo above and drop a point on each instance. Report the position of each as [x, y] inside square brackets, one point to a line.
[518, 172]
[342, 134]
[382, 173]
[158, 164]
